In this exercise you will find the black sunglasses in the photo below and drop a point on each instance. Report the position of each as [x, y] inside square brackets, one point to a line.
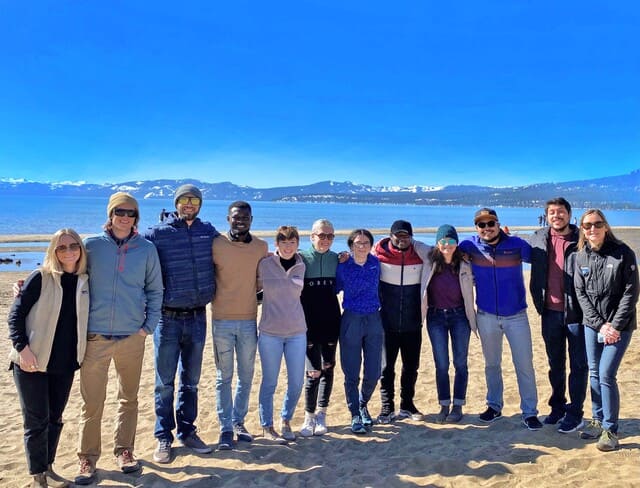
[491, 223]
[597, 225]
[121, 212]
[73, 247]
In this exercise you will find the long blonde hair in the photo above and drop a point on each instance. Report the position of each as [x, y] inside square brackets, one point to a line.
[582, 238]
[51, 263]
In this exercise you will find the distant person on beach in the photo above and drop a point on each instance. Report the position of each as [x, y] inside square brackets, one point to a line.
[606, 281]
[553, 253]
[234, 309]
[496, 261]
[447, 304]
[400, 275]
[282, 332]
[361, 331]
[322, 315]
[126, 297]
[48, 331]
[184, 245]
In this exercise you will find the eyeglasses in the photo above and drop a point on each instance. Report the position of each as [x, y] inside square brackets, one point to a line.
[482, 225]
[362, 244]
[598, 225]
[121, 212]
[192, 200]
[71, 247]
[325, 237]
[447, 242]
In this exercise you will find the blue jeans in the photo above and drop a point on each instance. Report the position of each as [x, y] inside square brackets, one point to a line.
[239, 337]
[492, 328]
[604, 361]
[272, 348]
[360, 335]
[178, 346]
[442, 323]
[558, 337]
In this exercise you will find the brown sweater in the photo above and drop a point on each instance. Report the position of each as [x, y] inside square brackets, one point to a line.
[236, 278]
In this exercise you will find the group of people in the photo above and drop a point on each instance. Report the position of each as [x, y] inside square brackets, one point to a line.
[94, 302]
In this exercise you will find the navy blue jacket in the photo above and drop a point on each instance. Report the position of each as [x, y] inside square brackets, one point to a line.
[186, 260]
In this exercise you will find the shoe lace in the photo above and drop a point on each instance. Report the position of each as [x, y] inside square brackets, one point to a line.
[127, 456]
[85, 465]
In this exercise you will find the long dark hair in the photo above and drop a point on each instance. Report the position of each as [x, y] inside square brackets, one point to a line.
[437, 259]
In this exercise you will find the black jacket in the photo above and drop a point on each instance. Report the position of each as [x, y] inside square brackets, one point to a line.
[606, 283]
[540, 242]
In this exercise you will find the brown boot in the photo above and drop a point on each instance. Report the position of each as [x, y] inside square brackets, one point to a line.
[39, 481]
[54, 480]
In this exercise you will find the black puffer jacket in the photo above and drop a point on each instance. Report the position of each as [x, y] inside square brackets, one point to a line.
[540, 242]
[606, 283]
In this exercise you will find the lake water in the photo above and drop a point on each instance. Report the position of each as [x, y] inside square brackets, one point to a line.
[44, 215]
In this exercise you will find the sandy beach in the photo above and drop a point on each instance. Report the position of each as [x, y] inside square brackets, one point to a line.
[406, 453]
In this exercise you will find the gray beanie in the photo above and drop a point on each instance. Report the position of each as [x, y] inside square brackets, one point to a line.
[186, 189]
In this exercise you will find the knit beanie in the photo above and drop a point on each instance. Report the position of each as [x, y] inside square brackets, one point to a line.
[447, 231]
[120, 198]
[187, 189]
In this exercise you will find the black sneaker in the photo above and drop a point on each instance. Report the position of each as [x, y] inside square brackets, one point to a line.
[367, 421]
[554, 417]
[532, 423]
[489, 415]
[242, 434]
[570, 424]
[225, 442]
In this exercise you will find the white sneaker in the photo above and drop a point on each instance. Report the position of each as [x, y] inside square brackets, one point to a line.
[308, 425]
[321, 424]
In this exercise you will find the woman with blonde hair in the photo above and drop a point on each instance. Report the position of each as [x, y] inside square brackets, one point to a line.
[606, 282]
[48, 329]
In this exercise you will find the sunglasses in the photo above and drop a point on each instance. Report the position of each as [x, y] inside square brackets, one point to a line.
[192, 200]
[325, 237]
[482, 225]
[121, 212]
[71, 247]
[598, 225]
[447, 242]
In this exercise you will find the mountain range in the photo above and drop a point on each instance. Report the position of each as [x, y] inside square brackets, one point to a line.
[612, 192]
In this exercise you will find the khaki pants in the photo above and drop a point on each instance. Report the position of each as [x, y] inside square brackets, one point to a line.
[127, 355]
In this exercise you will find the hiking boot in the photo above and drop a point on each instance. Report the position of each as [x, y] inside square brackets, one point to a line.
[309, 425]
[54, 480]
[554, 417]
[357, 427]
[455, 415]
[410, 412]
[321, 424]
[532, 423]
[441, 416]
[225, 442]
[608, 441]
[570, 424]
[162, 454]
[386, 417]
[489, 415]
[365, 416]
[592, 430]
[242, 434]
[39, 481]
[86, 472]
[196, 444]
[270, 434]
[127, 462]
[287, 433]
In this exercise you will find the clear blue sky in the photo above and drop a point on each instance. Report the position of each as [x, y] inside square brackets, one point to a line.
[264, 94]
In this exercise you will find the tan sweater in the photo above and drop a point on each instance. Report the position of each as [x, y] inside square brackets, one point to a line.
[236, 278]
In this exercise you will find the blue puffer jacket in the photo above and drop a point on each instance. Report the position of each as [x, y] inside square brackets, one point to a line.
[187, 262]
[497, 272]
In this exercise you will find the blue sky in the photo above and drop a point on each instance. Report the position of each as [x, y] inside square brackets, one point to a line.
[265, 94]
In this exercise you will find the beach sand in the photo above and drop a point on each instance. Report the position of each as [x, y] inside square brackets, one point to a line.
[406, 453]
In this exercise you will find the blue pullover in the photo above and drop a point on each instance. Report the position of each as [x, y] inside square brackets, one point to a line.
[497, 272]
[125, 285]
